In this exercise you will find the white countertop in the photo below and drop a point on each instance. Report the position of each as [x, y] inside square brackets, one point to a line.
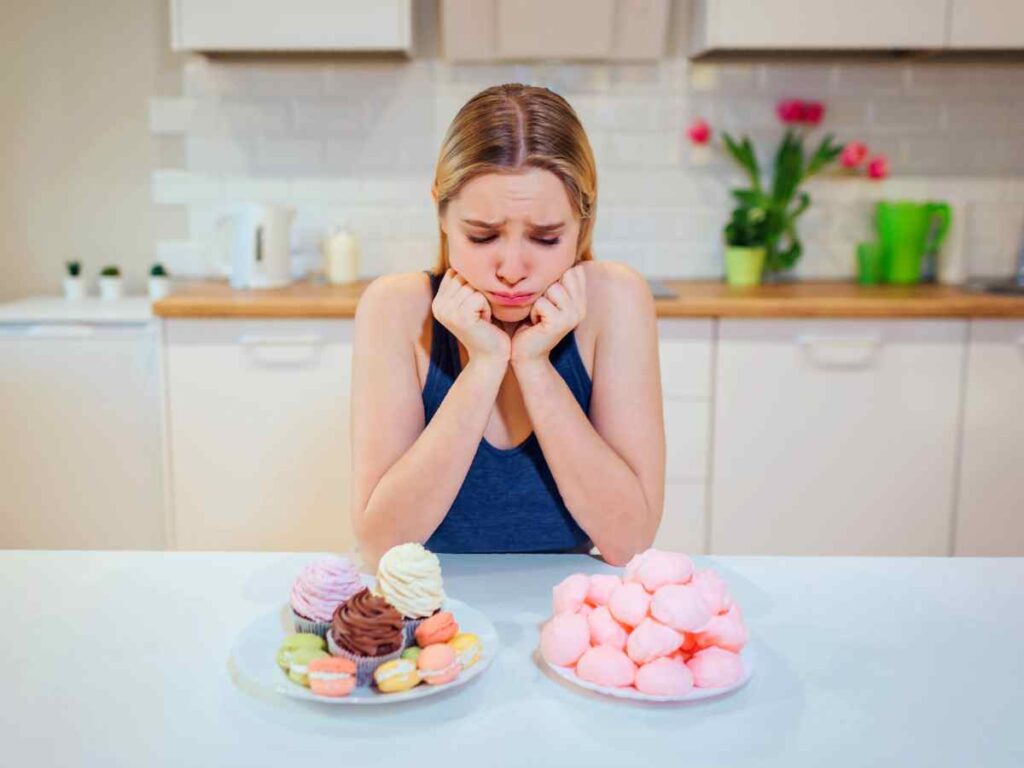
[55, 309]
[121, 659]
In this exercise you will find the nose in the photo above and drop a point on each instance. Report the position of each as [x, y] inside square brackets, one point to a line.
[511, 266]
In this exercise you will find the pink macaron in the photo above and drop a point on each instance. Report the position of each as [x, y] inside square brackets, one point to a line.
[332, 676]
[629, 603]
[438, 664]
[652, 640]
[564, 638]
[607, 666]
[667, 676]
[715, 668]
[681, 607]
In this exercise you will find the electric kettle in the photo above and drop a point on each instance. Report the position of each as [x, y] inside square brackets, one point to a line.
[255, 245]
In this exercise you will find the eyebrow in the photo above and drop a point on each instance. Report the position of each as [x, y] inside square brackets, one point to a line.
[496, 224]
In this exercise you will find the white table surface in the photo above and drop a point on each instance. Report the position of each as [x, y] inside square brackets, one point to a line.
[122, 659]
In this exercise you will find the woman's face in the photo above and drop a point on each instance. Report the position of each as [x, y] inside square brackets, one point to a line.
[511, 236]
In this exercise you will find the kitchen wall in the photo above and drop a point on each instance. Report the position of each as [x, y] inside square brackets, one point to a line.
[353, 139]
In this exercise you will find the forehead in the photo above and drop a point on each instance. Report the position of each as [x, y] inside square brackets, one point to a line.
[535, 195]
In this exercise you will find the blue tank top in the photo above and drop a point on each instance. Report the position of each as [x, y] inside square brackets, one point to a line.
[509, 501]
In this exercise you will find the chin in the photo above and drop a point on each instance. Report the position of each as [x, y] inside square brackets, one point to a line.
[510, 314]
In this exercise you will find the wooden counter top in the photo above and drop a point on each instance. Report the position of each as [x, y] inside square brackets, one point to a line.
[209, 299]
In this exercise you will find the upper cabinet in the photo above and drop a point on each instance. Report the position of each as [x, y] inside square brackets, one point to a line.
[299, 25]
[528, 30]
[735, 26]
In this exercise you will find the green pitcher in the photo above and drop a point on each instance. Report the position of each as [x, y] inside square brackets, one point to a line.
[906, 230]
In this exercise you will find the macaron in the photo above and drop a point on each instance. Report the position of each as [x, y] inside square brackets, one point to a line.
[439, 628]
[468, 649]
[412, 653]
[438, 664]
[334, 676]
[396, 676]
[293, 643]
[298, 670]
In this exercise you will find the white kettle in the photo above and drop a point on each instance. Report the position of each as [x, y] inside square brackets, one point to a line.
[257, 241]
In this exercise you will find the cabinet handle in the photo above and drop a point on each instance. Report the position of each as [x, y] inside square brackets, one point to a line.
[840, 351]
[283, 351]
[309, 340]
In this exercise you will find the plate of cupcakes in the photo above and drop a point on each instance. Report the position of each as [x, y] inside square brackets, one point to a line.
[346, 638]
[659, 630]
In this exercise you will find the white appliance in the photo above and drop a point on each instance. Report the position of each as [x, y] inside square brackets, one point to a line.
[255, 240]
[81, 458]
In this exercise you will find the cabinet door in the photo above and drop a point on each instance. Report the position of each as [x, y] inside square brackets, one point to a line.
[685, 351]
[822, 24]
[259, 434]
[986, 24]
[990, 509]
[835, 437]
[268, 25]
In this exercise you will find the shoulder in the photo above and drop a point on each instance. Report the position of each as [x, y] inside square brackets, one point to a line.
[616, 291]
[394, 305]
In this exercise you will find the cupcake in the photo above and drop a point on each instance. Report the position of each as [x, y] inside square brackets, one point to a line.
[367, 630]
[409, 577]
[320, 588]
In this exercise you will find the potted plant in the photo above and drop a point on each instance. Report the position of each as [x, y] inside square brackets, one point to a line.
[110, 283]
[780, 197]
[159, 282]
[74, 286]
[745, 236]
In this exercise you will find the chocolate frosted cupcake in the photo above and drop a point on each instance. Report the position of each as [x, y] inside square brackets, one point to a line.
[367, 630]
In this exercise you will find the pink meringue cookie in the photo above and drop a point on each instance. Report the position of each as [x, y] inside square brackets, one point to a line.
[655, 568]
[713, 589]
[585, 610]
[726, 631]
[715, 668]
[681, 607]
[629, 603]
[322, 586]
[666, 676]
[604, 665]
[652, 640]
[601, 587]
[569, 594]
[564, 639]
[605, 630]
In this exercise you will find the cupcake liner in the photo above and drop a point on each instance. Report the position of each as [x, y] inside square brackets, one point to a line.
[365, 665]
[410, 625]
[302, 624]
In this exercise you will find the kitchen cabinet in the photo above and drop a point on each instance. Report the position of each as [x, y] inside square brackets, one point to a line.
[258, 415]
[979, 24]
[990, 507]
[299, 25]
[835, 437]
[522, 30]
[739, 25]
[81, 461]
[685, 351]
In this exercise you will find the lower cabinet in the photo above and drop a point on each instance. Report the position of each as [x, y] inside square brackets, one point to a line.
[990, 509]
[835, 437]
[258, 433]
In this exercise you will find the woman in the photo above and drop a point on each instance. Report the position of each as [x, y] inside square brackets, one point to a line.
[511, 400]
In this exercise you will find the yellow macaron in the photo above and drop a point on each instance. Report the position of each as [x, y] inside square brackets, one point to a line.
[467, 647]
[396, 676]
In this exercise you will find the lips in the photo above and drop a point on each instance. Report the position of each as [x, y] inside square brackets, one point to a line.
[512, 299]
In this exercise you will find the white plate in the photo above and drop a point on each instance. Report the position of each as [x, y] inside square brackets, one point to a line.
[253, 658]
[697, 694]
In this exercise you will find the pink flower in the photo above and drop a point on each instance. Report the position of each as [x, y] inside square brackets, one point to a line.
[878, 168]
[699, 131]
[790, 111]
[853, 154]
[814, 111]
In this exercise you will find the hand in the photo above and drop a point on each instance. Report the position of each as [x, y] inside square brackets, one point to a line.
[467, 314]
[554, 314]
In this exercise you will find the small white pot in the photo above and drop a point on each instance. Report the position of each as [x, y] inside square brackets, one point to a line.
[74, 288]
[111, 287]
[159, 287]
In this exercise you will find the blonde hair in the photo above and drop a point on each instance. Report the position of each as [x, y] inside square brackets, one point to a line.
[507, 129]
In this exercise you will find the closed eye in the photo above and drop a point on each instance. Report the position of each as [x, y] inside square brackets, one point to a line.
[541, 240]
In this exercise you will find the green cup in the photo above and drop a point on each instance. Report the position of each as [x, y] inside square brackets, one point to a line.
[903, 229]
[869, 263]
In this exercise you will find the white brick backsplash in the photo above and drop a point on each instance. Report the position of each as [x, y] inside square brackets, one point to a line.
[995, 232]
[324, 190]
[174, 187]
[798, 81]
[218, 155]
[898, 115]
[248, 188]
[288, 156]
[171, 116]
[871, 79]
[253, 118]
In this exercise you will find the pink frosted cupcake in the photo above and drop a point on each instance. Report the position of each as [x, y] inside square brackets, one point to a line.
[320, 588]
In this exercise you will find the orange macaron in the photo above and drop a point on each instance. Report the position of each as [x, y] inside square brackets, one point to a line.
[439, 628]
[332, 676]
[438, 664]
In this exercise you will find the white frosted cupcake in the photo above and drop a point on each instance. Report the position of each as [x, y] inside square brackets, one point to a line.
[409, 578]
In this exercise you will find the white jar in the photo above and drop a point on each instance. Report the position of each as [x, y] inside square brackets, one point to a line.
[341, 257]
[110, 287]
[159, 287]
[74, 288]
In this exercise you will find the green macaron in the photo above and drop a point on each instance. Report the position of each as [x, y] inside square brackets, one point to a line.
[294, 642]
[298, 672]
[412, 653]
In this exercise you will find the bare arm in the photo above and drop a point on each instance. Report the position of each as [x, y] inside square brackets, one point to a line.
[611, 472]
[405, 476]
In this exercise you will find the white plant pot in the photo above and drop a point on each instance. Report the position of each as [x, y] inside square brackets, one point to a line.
[111, 287]
[159, 287]
[74, 288]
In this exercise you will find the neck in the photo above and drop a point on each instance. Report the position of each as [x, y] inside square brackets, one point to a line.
[510, 327]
